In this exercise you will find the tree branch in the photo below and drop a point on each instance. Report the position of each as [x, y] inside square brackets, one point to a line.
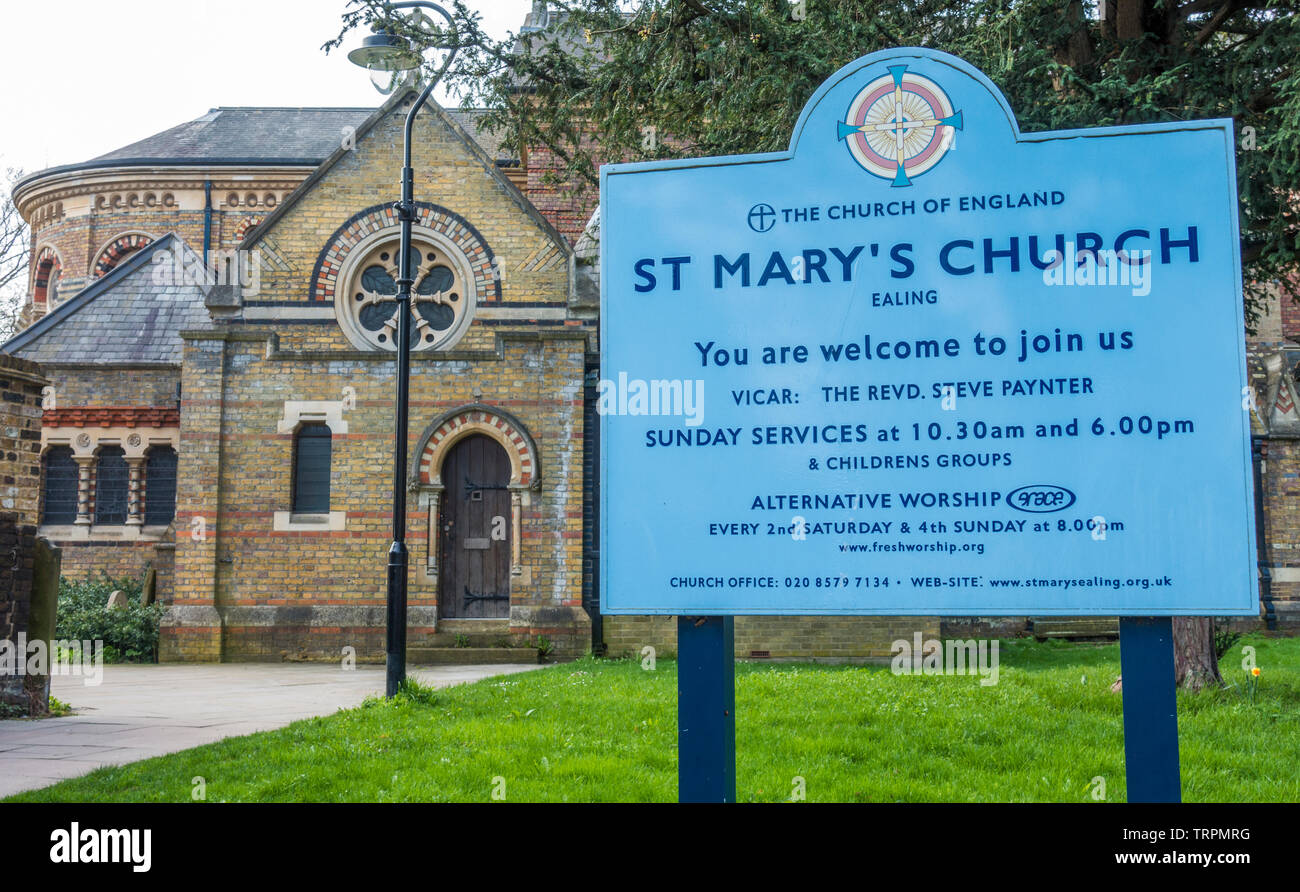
[1215, 22]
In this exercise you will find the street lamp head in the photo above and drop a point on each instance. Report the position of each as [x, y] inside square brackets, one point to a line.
[385, 51]
[390, 58]
[387, 57]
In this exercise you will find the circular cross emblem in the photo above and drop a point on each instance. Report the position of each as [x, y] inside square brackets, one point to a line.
[762, 217]
[899, 126]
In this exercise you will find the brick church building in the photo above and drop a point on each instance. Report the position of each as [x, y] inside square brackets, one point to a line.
[234, 432]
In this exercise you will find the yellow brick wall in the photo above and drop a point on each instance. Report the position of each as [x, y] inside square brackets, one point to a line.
[856, 639]
[22, 383]
[125, 560]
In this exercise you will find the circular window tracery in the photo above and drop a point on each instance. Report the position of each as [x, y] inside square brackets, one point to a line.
[442, 293]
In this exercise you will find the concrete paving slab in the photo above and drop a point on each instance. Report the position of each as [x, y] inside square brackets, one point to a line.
[93, 727]
[138, 712]
[57, 751]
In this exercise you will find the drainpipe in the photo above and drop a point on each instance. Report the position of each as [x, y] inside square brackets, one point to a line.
[1259, 455]
[207, 219]
[591, 517]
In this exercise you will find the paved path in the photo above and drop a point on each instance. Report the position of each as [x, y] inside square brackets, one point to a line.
[143, 711]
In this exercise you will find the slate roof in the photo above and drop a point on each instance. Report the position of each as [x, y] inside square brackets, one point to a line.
[122, 317]
[264, 133]
[260, 136]
[490, 140]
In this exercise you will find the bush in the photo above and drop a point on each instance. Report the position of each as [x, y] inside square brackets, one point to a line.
[128, 636]
[1224, 638]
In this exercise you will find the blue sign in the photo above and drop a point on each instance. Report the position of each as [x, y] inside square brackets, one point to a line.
[924, 363]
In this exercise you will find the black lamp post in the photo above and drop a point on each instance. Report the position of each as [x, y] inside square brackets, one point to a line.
[386, 54]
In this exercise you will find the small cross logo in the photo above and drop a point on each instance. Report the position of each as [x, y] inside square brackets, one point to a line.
[762, 217]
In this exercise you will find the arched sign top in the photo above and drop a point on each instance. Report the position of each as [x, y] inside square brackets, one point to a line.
[898, 112]
[967, 109]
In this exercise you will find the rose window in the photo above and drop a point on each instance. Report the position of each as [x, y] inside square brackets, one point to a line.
[442, 293]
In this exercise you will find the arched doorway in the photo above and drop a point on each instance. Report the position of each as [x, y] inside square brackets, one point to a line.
[474, 531]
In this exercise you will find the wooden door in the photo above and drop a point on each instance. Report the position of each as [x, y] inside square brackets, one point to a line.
[475, 531]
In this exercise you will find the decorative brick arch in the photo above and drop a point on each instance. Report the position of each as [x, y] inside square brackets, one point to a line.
[118, 249]
[453, 426]
[482, 262]
[45, 270]
[247, 224]
[434, 446]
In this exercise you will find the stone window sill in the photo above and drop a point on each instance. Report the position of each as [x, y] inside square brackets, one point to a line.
[101, 532]
[288, 521]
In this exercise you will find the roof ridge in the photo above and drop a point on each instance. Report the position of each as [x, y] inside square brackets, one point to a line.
[364, 108]
[348, 108]
[224, 136]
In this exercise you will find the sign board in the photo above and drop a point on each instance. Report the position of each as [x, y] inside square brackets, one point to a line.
[924, 363]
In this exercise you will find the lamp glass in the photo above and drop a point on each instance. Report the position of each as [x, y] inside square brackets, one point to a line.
[386, 81]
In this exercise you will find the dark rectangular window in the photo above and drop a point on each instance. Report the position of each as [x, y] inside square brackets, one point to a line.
[160, 486]
[110, 486]
[60, 486]
[311, 469]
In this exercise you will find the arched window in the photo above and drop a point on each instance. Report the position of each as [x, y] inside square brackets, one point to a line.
[60, 486]
[45, 284]
[160, 486]
[311, 469]
[118, 250]
[111, 478]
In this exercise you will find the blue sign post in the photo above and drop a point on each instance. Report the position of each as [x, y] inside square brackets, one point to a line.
[706, 709]
[922, 363]
[1146, 656]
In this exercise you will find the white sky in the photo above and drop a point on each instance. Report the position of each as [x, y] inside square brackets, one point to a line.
[84, 77]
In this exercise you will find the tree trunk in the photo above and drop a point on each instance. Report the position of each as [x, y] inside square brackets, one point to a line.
[1128, 19]
[1196, 665]
[1076, 50]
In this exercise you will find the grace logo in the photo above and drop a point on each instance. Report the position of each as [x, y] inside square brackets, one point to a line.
[899, 126]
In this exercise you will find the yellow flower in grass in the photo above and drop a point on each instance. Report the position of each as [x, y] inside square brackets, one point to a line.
[1255, 671]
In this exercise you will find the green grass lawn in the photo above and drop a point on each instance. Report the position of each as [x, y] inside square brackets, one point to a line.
[601, 730]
